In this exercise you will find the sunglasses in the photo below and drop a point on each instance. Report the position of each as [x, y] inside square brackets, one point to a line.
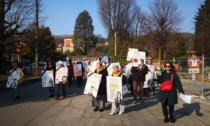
[168, 66]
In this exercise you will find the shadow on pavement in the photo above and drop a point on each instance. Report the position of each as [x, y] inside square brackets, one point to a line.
[32, 91]
[138, 106]
[187, 110]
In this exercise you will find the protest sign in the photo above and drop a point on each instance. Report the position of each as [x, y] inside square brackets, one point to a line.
[93, 66]
[61, 75]
[12, 79]
[77, 70]
[105, 59]
[65, 64]
[128, 69]
[92, 84]
[114, 89]
[130, 53]
[48, 79]
[137, 56]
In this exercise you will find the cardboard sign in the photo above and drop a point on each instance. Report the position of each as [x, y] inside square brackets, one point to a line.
[77, 70]
[92, 84]
[48, 79]
[114, 89]
[137, 56]
[130, 53]
[61, 75]
[12, 79]
[105, 59]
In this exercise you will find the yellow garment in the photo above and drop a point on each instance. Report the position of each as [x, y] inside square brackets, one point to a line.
[116, 74]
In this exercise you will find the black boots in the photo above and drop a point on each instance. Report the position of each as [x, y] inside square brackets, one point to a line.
[171, 119]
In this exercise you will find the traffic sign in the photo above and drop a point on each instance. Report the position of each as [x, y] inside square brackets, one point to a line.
[194, 62]
[193, 70]
[193, 76]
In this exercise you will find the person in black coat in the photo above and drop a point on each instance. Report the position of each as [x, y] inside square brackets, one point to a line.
[51, 66]
[79, 79]
[169, 99]
[99, 101]
[138, 78]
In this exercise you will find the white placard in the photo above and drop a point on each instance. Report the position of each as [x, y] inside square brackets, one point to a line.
[12, 79]
[185, 98]
[105, 59]
[114, 89]
[137, 56]
[128, 69]
[61, 75]
[130, 53]
[93, 66]
[92, 84]
[64, 64]
[110, 68]
[48, 79]
[150, 76]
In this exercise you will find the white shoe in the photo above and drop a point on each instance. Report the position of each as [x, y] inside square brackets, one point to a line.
[120, 113]
[111, 114]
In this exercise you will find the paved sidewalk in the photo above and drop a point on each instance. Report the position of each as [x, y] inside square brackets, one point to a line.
[35, 109]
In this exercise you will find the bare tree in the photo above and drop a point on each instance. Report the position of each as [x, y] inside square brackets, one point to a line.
[118, 16]
[140, 22]
[165, 19]
[15, 15]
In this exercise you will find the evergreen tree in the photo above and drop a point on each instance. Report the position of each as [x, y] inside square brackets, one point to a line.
[202, 29]
[83, 33]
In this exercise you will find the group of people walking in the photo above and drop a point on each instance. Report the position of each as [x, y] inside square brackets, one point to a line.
[144, 74]
[138, 77]
[62, 84]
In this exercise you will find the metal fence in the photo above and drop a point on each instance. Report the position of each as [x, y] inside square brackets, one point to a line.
[198, 83]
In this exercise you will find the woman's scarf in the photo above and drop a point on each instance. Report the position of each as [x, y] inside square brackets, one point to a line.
[116, 74]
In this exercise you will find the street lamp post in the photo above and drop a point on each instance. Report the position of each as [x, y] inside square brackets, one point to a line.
[115, 38]
[37, 40]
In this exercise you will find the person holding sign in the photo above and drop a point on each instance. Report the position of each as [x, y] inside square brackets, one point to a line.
[138, 78]
[61, 83]
[51, 67]
[119, 101]
[167, 96]
[18, 81]
[99, 101]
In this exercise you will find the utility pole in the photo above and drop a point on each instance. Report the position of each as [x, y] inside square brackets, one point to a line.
[115, 39]
[37, 38]
[203, 61]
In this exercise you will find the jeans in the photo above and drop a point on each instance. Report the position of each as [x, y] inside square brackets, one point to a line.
[137, 84]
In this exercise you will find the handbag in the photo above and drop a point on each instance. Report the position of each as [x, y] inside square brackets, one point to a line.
[166, 86]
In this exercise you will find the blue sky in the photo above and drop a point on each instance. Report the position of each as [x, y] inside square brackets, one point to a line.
[61, 14]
